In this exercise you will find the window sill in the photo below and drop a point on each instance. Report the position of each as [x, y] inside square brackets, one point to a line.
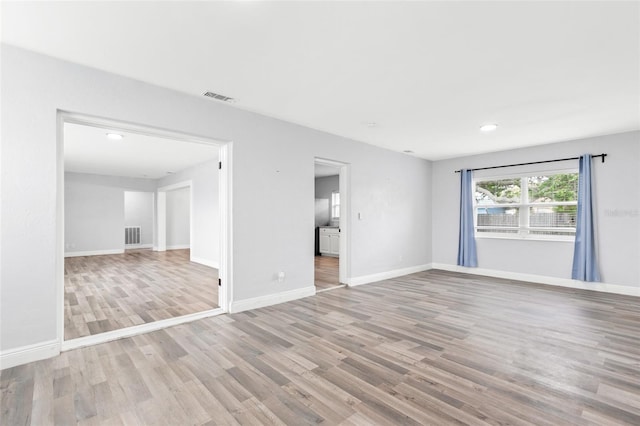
[527, 238]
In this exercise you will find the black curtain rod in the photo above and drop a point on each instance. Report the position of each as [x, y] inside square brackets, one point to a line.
[535, 162]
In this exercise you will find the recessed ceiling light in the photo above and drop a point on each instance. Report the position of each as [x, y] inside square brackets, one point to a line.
[488, 127]
[114, 136]
[370, 123]
[408, 151]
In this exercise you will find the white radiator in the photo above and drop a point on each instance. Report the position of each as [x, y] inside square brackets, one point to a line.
[131, 235]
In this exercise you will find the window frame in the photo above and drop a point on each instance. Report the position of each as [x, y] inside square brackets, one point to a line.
[523, 230]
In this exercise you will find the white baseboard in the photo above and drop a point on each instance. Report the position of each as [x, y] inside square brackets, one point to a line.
[270, 299]
[541, 279]
[93, 253]
[108, 336]
[206, 262]
[29, 353]
[366, 279]
[179, 247]
[137, 246]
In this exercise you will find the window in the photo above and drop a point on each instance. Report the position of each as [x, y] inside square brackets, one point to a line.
[335, 205]
[533, 206]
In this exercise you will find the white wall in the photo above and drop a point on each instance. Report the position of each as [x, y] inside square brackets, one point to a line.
[178, 218]
[324, 186]
[205, 246]
[273, 169]
[138, 211]
[95, 211]
[92, 204]
[617, 198]
[94, 219]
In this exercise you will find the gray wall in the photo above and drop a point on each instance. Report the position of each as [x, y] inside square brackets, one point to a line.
[205, 246]
[273, 166]
[617, 198]
[324, 187]
[138, 211]
[178, 218]
[94, 219]
[95, 211]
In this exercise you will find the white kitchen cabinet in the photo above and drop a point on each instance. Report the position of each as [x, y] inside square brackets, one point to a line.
[329, 241]
[325, 243]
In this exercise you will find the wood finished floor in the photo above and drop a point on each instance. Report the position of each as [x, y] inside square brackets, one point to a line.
[429, 348]
[326, 272]
[105, 293]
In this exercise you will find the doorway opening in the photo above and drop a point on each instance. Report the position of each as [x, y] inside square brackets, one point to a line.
[142, 231]
[330, 221]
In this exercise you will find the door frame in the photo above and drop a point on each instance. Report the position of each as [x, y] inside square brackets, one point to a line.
[225, 290]
[344, 186]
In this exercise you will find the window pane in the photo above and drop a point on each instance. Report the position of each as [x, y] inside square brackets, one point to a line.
[503, 191]
[498, 217]
[554, 188]
[553, 217]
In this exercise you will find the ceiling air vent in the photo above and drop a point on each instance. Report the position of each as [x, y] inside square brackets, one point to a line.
[219, 97]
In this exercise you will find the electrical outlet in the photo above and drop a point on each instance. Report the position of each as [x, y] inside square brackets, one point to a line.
[280, 276]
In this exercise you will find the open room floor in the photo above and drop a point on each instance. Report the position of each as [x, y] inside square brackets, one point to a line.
[428, 348]
[105, 293]
[326, 272]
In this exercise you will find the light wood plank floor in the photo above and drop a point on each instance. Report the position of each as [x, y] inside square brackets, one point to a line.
[326, 272]
[104, 293]
[429, 348]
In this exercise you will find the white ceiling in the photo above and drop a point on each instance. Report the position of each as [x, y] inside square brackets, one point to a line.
[324, 170]
[88, 150]
[428, 73]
